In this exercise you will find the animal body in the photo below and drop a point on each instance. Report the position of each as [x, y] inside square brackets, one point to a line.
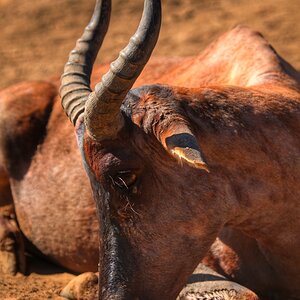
[199, 162]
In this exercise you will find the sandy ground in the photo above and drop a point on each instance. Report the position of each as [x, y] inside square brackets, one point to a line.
[36, 37]
[43, 281]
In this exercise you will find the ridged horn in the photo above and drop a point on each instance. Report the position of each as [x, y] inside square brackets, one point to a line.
[102, 109]
[75, 81]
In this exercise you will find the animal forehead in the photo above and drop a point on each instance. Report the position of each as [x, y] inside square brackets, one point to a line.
[151, 104]
[147, 94]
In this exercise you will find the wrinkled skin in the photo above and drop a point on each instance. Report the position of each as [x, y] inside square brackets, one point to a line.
[246, 120]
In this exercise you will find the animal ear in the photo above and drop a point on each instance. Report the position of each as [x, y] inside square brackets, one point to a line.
[181, 143]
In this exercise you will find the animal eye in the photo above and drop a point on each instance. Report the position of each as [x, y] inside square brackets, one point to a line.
[125, 179]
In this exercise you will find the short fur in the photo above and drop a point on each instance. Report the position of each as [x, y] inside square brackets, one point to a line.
[241, 100]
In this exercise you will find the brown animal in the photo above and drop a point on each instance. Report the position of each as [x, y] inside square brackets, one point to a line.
[41, 173]
[161, 205]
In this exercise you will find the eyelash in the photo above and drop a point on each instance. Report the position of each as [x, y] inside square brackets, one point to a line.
[122, 183]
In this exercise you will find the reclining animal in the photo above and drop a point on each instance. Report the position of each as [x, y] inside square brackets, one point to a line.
[199, 161]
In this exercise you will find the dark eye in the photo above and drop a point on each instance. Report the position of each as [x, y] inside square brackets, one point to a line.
[125, 180]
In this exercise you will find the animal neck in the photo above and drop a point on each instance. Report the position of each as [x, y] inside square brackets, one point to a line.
[248, 145]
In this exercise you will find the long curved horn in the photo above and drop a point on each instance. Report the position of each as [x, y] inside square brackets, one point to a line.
[102, 109]
[75, 81]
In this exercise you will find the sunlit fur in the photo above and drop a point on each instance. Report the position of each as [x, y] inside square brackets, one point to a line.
[241, 101]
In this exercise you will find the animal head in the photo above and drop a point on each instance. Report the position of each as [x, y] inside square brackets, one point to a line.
[156, 198]
[140, 153]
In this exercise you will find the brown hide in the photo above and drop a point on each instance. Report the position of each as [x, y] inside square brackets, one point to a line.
[243, 106]
[64, 231]
[241, 100]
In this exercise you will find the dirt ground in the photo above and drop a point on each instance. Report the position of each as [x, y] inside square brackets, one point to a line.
[36, 37]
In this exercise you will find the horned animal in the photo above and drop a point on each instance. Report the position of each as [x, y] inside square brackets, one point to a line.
[189, 160]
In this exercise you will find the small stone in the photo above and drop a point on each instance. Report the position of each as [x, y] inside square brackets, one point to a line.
[83, 287]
